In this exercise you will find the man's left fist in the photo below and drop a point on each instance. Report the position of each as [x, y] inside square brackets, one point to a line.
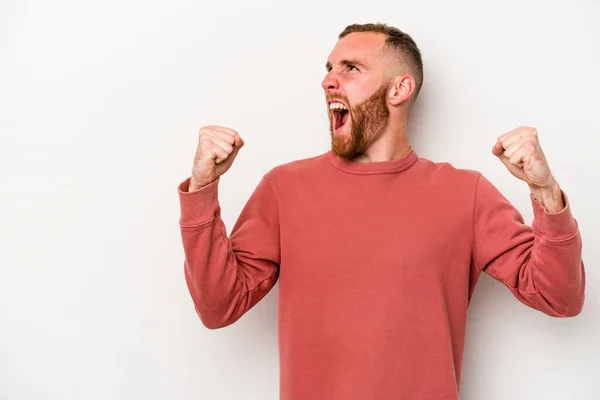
[522, 154]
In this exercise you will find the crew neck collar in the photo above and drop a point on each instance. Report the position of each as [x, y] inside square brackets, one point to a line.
[373, 168]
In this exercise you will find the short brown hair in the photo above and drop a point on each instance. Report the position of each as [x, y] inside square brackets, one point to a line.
[398, 40]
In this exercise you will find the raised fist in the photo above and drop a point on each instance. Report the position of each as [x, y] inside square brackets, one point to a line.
[217, 148]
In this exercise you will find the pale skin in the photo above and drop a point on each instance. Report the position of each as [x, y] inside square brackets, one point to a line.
[356, 68]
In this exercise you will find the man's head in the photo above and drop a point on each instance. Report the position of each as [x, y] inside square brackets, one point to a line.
[374, 74]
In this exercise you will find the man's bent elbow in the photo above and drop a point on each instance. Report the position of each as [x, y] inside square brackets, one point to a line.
[575, 309]
[214, 321]
[572, 309]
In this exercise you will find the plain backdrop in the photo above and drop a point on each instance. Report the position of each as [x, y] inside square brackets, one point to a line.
[100, 107]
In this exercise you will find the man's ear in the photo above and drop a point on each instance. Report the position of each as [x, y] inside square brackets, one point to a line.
[401, 89]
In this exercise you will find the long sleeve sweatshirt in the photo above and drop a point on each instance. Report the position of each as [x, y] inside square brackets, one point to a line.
[376, 264]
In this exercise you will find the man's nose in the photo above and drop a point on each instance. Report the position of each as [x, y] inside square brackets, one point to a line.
[330, 82]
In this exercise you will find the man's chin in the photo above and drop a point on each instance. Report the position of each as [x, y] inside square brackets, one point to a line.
[342, 147]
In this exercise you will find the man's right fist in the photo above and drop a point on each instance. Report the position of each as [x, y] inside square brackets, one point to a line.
[217, 148]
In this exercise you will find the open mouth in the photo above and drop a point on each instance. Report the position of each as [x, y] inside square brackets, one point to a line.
[340, 114]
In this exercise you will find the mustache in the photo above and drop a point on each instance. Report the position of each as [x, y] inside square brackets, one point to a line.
[342, 98]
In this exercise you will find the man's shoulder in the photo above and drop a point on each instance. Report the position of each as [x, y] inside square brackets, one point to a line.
[294, 168]
[446, 170]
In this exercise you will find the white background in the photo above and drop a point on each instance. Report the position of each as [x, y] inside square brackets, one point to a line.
[100, 106]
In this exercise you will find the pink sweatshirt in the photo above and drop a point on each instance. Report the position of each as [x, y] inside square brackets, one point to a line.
[376, 264]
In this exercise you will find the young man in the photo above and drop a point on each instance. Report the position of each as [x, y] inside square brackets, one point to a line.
[377, 251]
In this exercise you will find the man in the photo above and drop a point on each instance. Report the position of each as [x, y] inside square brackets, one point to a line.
[377, 251]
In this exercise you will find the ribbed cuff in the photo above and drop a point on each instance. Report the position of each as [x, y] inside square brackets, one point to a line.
[200, 206]
[556, 226]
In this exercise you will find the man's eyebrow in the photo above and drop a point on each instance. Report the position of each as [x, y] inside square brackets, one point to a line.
[346, 63]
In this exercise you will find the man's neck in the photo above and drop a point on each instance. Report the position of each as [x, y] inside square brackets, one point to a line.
[392, 145]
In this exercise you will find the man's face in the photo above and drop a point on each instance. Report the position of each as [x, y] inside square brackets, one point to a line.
[356, 90]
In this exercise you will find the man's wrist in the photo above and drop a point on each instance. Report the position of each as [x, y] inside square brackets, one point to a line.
[195, 185]
[550, 197]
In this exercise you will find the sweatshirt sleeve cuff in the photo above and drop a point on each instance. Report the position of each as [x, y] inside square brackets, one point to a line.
[200, 206]
[555, 226]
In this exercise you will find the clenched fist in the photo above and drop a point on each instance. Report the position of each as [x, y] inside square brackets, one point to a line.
[217, 148]
[520, 151]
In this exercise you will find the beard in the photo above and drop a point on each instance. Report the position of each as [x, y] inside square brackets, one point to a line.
[368, 122]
